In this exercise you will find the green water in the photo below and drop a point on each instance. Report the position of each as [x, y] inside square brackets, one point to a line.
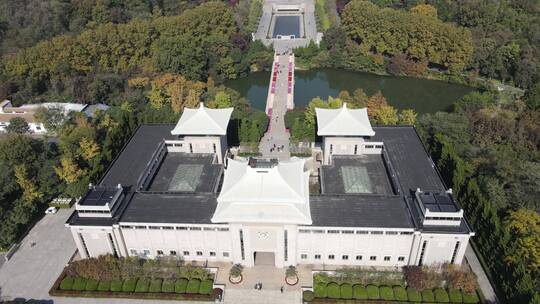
[422, 95]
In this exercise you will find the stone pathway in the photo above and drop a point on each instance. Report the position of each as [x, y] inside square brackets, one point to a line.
[483, 280]
[275, 142]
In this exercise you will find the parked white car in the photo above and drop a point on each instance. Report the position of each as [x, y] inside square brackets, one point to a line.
[51, 210]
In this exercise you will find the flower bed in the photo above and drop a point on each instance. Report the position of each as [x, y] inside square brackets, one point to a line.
[109, 277]
[327, 292]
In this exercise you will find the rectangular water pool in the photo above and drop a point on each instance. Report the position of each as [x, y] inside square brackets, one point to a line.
[286, 26]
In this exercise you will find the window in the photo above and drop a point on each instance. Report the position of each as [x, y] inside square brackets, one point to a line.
[242, 252]
[372, 258]
[126, 227]
[285, 246]
[195, 228]
[456, 248]
[368, 146]
[401, 259]
[214, 147]
[225, 254]
[172, 252]
[167, 228]
[185, 253]
[391, 232]
[376, 232]
[199, 253]
[347, 231]
[159, 252]
[331, 257]
[361, 232]
[422, 252]
[333, 231]
[223, 229]
[317, 257]
[181, 228]
[209, 229]
[303, 256]
[146, 252]
[140, 227]
[344, 257]
[154, 227]
[318, 231]
[304, 230]
[406, 232]
[358, 257]
[387, 258]
[212, 253]
[133, 252]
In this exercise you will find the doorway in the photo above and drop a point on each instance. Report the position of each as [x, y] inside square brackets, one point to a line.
[264, 258]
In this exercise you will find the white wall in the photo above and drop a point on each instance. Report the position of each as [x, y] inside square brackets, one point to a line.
[440, 248]
[352, 245]
[347, 146]
[35, 128]
[96, 239]
[192, 241]
[200, 144]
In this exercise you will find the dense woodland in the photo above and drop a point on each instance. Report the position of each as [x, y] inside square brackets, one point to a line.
[149, 59]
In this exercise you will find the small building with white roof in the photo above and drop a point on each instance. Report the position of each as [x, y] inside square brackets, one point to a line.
[344, 132]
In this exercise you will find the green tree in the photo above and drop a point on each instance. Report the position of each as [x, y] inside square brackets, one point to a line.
[18, 125]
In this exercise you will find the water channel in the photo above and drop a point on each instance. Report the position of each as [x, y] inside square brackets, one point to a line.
[422, 95]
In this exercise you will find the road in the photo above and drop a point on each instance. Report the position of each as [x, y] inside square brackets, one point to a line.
[481, 276]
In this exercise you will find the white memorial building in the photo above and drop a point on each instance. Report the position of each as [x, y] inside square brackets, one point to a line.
[174, 190]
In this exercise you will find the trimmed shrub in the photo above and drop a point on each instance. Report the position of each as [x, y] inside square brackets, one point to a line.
[455, 296]
[333, 291]
[217, 294]
[359, 292]
[400, 294]
[320, 290]
[155, 285]
[373, 292]
[441, 295]
[168, 286]
[116, 285]
[142, 285]
[414, 295]
[91, 285]
[346, 291]
[193, 286]
[129, 285]
[67, 283]
[79, 284]
[386, 293]
[104, 285]
[470, 298]
[427, 295]
[206, 287]
[180, 285]
[308, 295]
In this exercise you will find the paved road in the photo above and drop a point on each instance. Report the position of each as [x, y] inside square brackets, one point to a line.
[275, 142]
[483, 281]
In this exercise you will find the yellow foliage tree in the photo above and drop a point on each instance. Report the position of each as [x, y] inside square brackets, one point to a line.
[524, 226]
[89, 148]
[69, 171]
[30, 191]
[387, 115]
[425, 9]
[407, 117]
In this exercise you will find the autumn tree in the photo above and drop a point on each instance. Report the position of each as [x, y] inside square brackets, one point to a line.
[407, 117]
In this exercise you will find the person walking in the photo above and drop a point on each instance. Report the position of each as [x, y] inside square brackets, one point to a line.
[281, 289]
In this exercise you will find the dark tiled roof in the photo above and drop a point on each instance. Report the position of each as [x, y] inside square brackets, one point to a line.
[133, 159]
[413, 166]
[360, 211]
[170, 208]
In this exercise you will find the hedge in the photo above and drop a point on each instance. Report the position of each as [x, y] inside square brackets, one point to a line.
[441, 295]
[455, 296]
[180, 285]
[333, 291]
[67, 283]
[79, 284]
[373, 292]
[400, 294]
[346, 291]
[155, 285]
[386, 293]
[427, 295]
[359, 292]
[308, 295]
[104, 285]
[142, 285]
[414, 295]
[116, 285]
[206, 287]
[91, 285]
[129, 285]
[470, 298]
[168, 286]
[320, 290]
[193, 286]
